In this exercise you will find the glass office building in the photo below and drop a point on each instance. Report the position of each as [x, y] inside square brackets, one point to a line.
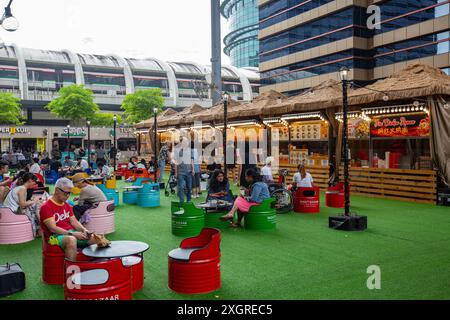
[303, 43]
[241, 44]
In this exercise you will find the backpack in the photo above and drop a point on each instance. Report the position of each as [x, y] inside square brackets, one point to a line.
[12, 279]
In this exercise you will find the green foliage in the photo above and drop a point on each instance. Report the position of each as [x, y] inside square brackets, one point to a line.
[105, 120]
[139, 106]
[10, 109]
[74, 102]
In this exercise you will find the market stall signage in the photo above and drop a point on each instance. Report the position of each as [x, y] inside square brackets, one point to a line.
[15, 130]
[358, 129]
[400, 126]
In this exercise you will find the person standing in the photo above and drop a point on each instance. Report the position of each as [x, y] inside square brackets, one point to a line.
[163, 158]
[266, 171]
[100, 153]
[197, 173]
[184, 169]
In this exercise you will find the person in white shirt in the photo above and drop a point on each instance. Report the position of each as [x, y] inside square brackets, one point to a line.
[142, 165]
[133, 163]
[35, 167]
[266, 171]
[83, 164]
[103, 170]
[303, 179]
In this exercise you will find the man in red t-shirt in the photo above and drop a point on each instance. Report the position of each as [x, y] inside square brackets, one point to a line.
[58, 223]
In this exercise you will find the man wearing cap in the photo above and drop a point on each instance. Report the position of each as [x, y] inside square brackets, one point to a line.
[90, 195]
[58, 223]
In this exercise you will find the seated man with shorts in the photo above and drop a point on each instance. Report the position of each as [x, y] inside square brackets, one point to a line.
[58, 223]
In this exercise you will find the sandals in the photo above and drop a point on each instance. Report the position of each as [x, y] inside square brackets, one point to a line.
[225, 218]
[236, 225]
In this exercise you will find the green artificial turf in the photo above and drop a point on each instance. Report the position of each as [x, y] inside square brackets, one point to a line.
[302, 259]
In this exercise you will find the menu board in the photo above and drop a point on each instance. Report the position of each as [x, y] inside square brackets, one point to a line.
[358, 129]
[309, 131]
[415, 125]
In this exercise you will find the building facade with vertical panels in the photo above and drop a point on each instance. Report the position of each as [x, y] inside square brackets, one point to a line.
[241, 44]
[304, 42]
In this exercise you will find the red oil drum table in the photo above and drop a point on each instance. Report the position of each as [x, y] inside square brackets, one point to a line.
[132, 253]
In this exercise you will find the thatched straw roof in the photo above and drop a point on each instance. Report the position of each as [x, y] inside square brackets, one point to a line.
[214, 113]
[416, 80]
[149, 122]
[328, 94]
[262, 105]
[178, 118]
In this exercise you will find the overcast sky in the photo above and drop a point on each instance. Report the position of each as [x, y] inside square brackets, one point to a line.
[171, 30]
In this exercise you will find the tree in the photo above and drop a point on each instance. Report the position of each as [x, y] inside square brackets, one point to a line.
[105, 120]
[139, 106]
[10, 109]
[74, 102]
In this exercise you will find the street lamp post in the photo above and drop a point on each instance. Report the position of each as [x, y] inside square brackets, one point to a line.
[114, 153]
[226, 96]
[155, 127]
[88, 122]
[8, 21]
[68, 139]
[346, 222]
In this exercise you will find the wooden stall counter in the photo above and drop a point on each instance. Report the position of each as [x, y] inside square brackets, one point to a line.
[398, 184]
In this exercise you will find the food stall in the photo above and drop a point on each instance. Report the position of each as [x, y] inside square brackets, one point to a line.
[395, 148]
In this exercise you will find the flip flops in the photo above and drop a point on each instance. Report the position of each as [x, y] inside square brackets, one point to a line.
[225, 218]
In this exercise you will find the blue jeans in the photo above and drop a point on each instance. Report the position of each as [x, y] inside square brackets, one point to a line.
[184, 182]
[161, 166]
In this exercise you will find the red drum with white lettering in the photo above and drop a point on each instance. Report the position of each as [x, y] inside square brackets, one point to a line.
[53, 263]
[307, 200]
[106, 279]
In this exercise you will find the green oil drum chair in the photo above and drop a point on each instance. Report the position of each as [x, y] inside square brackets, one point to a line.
[262, 216]
[187, 219]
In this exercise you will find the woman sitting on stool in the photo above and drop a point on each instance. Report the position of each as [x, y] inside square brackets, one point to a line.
[258, 193]
[219, 188]
[302, 179]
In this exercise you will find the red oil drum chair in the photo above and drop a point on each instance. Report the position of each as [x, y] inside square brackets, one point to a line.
[307, 200]
[101, 219]
[14, 228]
[121, 169]
[40, 178]
[136, 263]
[105, 279]
[127, 174]
[335, 196]
[53, 263]
[140, 173]
[194, 267]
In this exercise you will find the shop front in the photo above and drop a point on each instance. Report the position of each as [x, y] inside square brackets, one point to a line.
[22, 138]
[390, 137]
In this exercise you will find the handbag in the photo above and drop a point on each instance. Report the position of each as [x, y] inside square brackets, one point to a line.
[12, 279]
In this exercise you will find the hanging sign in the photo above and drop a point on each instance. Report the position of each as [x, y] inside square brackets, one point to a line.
[417, 125]
[358, 129]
